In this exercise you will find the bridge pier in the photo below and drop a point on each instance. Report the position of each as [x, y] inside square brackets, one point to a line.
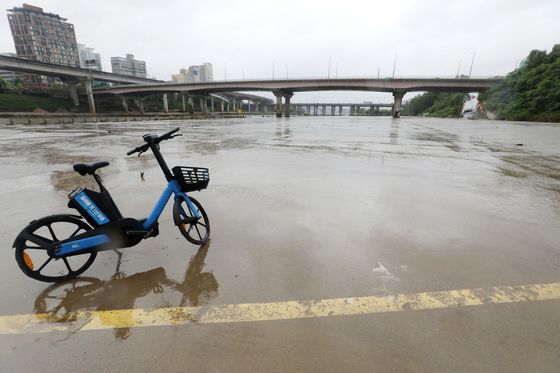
[89, 93]
[278, 104]
[398, 97]
[191, 104]
[222, 106]
[140, 104]
[124, 103]
[287, 97]
[212, 103]
[73, 93]
[165, 105]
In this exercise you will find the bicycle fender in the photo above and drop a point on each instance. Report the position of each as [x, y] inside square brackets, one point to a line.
[36, 222]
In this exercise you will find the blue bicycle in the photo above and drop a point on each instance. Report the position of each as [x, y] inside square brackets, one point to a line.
[65, 245]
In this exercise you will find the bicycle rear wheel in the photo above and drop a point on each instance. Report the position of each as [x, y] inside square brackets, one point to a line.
[196, 229]
[38, 262]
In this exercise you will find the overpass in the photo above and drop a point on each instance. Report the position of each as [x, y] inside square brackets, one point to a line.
[284, 89]
[70, 74]
[303, 108]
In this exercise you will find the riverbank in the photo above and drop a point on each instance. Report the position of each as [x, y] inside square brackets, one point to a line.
[69, 118]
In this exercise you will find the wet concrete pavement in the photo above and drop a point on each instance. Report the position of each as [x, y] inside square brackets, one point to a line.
[301, 208]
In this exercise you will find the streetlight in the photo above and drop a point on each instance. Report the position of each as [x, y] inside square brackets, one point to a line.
[472, 63]
[458, 68]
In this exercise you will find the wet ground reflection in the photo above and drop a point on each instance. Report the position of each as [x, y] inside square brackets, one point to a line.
[62, 301]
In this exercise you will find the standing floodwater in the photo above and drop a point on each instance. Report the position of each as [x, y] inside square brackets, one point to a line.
[304, 208]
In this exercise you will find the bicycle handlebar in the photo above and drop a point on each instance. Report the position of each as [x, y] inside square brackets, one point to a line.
[141, 149]
[152, 139]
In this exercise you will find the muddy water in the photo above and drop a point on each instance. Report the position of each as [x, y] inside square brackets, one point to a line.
[302, 208]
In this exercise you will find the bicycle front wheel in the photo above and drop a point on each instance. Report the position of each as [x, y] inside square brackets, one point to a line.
[192, 221]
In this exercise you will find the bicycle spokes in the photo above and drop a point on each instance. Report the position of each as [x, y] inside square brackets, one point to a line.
[35, 257]
[192, 221]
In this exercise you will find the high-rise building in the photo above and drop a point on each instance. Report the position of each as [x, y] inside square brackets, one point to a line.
[128, 66]
[88, 58]
[195, 73]
[8, 76]
[44, 37]
[181, 77]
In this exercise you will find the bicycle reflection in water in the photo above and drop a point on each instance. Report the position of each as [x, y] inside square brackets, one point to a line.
[63, 300]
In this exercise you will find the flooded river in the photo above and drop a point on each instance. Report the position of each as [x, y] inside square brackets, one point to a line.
[302, 208]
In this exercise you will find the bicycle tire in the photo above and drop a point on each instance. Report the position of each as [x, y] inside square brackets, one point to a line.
[192, 228]
[23, 259]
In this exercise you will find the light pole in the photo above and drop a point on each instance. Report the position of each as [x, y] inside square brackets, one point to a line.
[459, 68]
[394, 65]
[329, 70]
[472, 63]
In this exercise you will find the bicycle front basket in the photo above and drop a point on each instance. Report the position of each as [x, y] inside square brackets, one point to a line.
[191, 178]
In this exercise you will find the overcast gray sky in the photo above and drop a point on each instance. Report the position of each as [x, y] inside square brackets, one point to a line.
[429, 37]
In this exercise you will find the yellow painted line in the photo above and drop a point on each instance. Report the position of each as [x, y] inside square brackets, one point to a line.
[287, 310]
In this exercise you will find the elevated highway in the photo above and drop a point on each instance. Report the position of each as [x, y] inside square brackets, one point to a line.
[284, 89]
[42, 68]
[71, 75]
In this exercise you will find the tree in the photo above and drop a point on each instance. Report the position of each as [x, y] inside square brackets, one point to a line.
[532, 92]
[435, 104]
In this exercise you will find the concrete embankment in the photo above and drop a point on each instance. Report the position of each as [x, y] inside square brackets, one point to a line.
[63, 118]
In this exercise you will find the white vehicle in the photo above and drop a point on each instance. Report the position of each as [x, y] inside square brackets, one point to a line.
[470, 107]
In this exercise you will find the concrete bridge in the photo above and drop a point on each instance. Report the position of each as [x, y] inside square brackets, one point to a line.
[213, 102]
[354, 108]
[282, 89]
[70, 75]
[285, 89]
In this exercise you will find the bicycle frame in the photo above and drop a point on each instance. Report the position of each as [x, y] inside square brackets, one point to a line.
[172, 188]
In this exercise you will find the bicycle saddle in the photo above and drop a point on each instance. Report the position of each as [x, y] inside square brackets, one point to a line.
[89, 168]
